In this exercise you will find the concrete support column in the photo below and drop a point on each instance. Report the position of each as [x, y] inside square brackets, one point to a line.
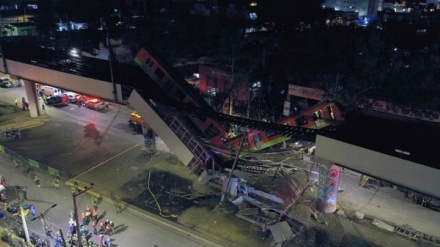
[31, 98]
[329, 175]
[149, 139]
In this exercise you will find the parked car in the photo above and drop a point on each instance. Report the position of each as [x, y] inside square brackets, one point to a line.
[96, 104]
[6, 83]
[60, 99]
[82, 99]
[73, 97]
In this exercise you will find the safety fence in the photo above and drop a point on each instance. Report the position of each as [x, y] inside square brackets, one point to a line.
[30, 164]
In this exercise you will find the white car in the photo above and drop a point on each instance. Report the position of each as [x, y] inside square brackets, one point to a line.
[72, 96]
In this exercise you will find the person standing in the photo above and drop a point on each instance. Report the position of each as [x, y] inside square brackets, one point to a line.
[72, 229]
[95, 214]
[37, 181]
[84, 218]
[16, 102]
[95, 229]
[33, 210]
[72, 214]
[108, 242]
[101, 239]
[2, 181]
[361, 180]
[56, 182]
[94, 202]
[88, 213]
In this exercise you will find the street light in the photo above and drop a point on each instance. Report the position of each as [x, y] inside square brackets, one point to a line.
[43, 221]
[75, 210]
[23, 220]
[401, 152]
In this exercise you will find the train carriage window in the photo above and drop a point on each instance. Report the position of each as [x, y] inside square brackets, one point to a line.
[301, 121]
[203, 118]
[179, 94]
[270, 134]
[168, 85]
[159, 73]
[211, 131]
[258, 140]
[317, 115]
[149, 62]
[245, 143]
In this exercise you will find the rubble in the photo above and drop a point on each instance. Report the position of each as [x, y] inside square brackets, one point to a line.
[383, 225]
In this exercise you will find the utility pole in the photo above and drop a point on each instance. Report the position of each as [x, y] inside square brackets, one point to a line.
[23, 219]
[226, 192]
[110, 59]
[43, 221]
[75, 210]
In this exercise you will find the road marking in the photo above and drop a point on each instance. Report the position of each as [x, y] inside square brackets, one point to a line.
[105, 161]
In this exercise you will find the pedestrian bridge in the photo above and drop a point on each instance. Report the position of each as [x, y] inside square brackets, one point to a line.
[399, 150]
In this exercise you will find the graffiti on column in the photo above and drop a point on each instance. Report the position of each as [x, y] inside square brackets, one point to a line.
[328, 186]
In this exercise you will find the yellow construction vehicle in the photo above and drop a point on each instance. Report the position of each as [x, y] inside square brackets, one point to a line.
[136, 122]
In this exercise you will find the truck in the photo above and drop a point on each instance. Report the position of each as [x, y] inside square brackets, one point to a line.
[136, 122]
[49, 91]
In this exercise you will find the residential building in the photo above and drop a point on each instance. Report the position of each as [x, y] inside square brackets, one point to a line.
[20, 29]
[364, 8]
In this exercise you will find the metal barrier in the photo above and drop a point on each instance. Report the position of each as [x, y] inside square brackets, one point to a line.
[31, 163]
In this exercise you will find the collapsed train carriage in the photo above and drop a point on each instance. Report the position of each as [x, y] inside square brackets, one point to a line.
[176, 87]
[316, 117]
[207, 128]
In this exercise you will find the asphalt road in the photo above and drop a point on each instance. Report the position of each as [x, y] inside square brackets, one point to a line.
[77, 138]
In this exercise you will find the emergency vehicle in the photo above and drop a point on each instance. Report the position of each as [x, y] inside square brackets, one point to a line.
[136, 122]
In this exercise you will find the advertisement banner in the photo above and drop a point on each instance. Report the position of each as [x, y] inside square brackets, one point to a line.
[306, 92]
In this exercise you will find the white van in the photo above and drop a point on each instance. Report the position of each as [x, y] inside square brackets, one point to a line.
[49, 91]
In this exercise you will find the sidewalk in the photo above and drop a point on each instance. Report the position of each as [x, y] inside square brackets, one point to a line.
[20, 119]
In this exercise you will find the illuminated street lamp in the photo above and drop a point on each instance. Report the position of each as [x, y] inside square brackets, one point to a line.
[43, 221]
[401, 152]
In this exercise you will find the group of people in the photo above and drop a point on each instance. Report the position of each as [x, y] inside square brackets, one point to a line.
[101, 228]
[24, 104]
[105, 227]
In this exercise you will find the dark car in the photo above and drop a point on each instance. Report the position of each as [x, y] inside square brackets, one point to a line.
[6, 83]
[60, 99]
[95, 104]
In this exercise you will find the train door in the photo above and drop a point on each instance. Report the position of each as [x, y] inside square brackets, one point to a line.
[330, 112]
[258, 141]
[317, 115]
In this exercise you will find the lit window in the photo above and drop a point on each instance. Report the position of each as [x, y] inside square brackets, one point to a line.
[253, 16]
